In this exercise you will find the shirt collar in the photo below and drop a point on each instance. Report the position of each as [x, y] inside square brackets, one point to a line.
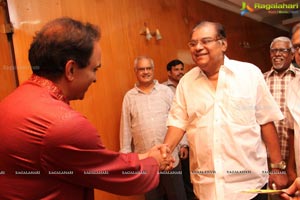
[48, 85]
[291, 69]
[170, 83]
[138, 90]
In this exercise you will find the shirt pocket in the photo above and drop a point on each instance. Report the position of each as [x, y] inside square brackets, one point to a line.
[240, 110]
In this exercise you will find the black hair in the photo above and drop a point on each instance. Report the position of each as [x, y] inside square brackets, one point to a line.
[59, 41]
[219, 28]
[174, 63]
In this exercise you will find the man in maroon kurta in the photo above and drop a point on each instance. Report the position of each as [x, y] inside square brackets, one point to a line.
[50, 151]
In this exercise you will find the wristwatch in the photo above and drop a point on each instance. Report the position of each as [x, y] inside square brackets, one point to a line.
[281, 165]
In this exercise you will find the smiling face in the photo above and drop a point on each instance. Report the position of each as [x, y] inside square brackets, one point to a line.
[207, 48]
[281, 55]
[144, 71]
[176, 73]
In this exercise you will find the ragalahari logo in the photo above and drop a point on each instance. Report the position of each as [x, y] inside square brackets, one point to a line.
[245, 8]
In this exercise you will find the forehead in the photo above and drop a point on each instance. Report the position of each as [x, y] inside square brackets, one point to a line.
[179, 66]
[296, 37]
[143, 62]
[205, 30]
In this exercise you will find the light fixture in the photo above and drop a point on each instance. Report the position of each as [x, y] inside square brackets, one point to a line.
[148, 34]
[146, 31]
[158, 35]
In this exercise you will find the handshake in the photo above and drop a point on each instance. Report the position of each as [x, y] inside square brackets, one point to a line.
[162, 154]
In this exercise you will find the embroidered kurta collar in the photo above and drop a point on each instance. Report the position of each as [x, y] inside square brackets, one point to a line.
[49, 85]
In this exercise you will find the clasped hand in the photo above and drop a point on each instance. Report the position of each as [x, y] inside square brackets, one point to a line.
[163, 156]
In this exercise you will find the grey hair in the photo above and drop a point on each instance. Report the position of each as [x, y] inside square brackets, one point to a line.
[137, 59]
[283, 39]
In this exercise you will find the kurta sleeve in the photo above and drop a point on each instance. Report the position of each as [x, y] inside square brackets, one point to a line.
[73, 152]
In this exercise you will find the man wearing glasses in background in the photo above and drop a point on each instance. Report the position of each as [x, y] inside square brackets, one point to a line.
[143, 124]
[293, 101]
[227, 111]
[296, 43]
[278, 79]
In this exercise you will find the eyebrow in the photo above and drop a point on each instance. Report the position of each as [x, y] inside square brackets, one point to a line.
[209, 37]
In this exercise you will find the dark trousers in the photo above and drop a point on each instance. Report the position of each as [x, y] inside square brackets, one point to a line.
[261, 196]
[185, 165]
[170, 187]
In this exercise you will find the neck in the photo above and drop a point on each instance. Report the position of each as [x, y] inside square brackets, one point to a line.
[212, 74]
[212, 69]
[175, 82]
[281, 70]
[61, 84]
[146, 87]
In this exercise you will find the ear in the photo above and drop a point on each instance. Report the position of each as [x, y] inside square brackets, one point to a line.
[69, 70]
[293, 55]
[169, 73]
[224, 45]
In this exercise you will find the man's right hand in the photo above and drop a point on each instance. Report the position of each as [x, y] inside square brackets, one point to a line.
[165, 160]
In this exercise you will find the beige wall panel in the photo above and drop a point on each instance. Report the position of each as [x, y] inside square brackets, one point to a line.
[121, 22]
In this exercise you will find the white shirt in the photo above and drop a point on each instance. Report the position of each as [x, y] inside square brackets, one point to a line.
[143, 119]
[227, 153]
[293, 103]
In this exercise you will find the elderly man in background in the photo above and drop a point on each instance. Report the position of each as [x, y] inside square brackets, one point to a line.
[278, 78]
[143, 124]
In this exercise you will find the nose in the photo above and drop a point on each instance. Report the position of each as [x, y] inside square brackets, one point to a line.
[199, 46]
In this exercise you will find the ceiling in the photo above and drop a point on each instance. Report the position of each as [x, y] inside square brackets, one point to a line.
[281, 20]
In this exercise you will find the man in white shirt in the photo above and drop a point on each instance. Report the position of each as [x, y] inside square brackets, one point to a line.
[293, 100]
[143, 125]
[227, 112]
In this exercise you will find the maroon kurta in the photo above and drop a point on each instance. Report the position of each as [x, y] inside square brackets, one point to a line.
[50, 151]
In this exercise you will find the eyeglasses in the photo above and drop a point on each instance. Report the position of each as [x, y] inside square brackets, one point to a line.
[296, 47]
[203, 42]
[142, 69]
[281, 51]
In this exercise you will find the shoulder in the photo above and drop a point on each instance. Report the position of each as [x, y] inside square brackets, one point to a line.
[73, 129]
[191, 74]
[267, 73]
[296, 70]
[164, 89]
[242, 67]
[132, 91]
[165, 83]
